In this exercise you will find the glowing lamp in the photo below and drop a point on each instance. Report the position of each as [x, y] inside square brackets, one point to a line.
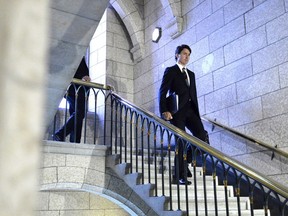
[156, 35]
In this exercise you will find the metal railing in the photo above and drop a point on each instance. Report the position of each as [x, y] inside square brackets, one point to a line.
[150, 145]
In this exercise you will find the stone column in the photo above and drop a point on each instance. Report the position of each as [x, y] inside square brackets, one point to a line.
[23, 59]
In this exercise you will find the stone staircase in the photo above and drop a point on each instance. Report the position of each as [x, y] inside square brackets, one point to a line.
[161, 204]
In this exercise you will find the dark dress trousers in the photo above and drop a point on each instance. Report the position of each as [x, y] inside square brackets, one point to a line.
[188, 113]
[76, 102]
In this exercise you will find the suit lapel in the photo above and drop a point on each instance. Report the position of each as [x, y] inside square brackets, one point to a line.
[180, 75]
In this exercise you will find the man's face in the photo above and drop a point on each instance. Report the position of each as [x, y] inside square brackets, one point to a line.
[183, 57]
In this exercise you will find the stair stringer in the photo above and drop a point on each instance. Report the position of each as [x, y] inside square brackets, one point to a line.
[157, 205]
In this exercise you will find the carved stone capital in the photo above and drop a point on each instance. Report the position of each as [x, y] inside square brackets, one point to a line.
[137, 52]
[175, 27]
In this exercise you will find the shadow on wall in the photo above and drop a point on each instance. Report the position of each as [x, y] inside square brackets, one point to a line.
[119, 87]
[70, 37]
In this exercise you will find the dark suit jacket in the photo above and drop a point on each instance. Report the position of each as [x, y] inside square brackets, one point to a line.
[82, 71]
[174, 81]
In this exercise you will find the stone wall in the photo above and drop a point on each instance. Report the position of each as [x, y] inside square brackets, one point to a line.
[72, 26]
[84, 179]
[239, 56]
[78, 203]
[111, 62]
[73, 181]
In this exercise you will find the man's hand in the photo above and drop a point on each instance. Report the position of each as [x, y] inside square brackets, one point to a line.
[167, 116]
[86, 79]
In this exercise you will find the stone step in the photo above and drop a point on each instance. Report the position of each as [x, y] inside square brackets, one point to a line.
[199, 180]
[221, 203]
[145, 151]
[191, 187]
[146, 160]
[199, 170]
[200, 192]
[211, 201]
[257, 212]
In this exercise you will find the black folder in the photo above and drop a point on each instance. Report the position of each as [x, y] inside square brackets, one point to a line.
[172, 103]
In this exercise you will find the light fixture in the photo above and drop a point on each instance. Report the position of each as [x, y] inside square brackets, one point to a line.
[156, 35]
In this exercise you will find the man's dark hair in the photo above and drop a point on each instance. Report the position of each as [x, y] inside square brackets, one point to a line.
[180, 48]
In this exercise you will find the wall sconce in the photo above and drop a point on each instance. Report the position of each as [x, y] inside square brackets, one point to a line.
[156, 35]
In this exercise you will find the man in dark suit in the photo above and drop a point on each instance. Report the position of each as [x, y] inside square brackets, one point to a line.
[181, 81]
[79, 102]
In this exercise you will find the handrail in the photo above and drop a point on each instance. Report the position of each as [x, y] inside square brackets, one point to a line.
[92, 84]
[125, 121]
[275, 186]
[274, 149]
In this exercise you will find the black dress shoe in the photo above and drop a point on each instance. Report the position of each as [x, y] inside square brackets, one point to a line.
[182, 182]
[57, 137]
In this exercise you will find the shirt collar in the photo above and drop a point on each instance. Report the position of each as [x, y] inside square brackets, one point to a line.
[181, 66]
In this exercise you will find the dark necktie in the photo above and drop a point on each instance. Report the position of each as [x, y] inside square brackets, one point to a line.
[185, 76]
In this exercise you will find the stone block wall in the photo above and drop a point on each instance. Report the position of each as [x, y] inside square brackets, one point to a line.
[239, 56]
[78, 203]
[83, 179]
[73, 182]
[111, 62]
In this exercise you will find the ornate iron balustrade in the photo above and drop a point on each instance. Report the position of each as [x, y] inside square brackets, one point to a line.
[149, 144]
